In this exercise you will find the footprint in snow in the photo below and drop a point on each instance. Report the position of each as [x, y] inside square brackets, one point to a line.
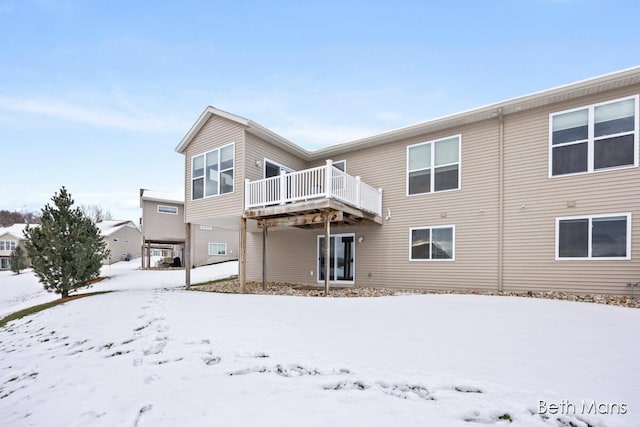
[406, 391]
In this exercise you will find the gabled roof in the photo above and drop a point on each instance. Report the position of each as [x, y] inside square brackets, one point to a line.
[107, 228]
[15, 231]
[567, 92]
[250, 126]
[161, 196]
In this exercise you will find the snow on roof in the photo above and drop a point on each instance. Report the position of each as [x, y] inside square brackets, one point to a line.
[15, 230]
[107, 228]
[161, 196]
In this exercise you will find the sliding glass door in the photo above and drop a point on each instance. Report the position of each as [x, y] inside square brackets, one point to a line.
[342, 255]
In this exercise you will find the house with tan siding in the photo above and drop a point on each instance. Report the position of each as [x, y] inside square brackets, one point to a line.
[122, 239]
[535, 193]
[163, 232]
[10, 238]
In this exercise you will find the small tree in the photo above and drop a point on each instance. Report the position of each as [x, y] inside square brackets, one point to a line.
[17, 260]
[66, 250]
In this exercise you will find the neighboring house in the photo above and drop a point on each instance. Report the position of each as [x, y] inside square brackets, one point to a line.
[123, 239]
[10, 238]
[536, 193]
[163, 231]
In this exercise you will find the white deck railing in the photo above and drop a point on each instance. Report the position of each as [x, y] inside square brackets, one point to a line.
[315, 183]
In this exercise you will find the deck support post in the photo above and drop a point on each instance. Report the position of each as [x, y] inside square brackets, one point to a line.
[148, 254]
[243, 255]
[187, 254]
[264, 254]
[327, 247]
[142, 253]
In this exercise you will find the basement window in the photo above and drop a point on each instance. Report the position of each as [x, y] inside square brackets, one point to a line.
[604, 237]
[217, 248]
[432, 243]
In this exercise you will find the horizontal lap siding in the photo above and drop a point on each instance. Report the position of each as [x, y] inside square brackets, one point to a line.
[216, 133]
[258, 149]
[533, 201]
[202, 238]
[125, 240]
[158, 226]
[291, 256]
[382, 259]
[291, 264]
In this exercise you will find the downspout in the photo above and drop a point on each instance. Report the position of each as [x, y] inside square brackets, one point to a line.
[500, 200]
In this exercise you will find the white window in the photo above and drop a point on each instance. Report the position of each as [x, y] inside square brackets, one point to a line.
[433, 166]
[212, 172]
[604, 237]
[217, 248]
[156, 252]
[340, 164]
[4, 264]
[205, 227]
[432, 243]
[7, 245]
[169, 210]
[592, 138]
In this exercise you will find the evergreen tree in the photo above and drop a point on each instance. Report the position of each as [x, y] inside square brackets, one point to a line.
[17, 260]
[66, 250]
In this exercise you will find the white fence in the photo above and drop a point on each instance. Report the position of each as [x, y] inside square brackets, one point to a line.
[316, 183]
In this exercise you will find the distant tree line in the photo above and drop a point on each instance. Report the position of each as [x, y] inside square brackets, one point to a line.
[8, 218]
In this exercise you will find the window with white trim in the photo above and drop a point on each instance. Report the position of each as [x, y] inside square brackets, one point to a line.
[433, 166]
[168, 210]
[205, 227]
[212, 172]
[217, 248]
[432, 243]
[340, 164]
[594, 237]
[7, 245]
[592, 138]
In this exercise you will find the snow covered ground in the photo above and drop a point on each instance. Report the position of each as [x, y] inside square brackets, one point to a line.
[155, 355]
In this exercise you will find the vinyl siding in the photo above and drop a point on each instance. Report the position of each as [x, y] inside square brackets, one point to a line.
[202, 238]
[158, 226]
[382, 259]
[19, 242]
[125, 240]
[533, 201]
[257, 150]
[217, 132]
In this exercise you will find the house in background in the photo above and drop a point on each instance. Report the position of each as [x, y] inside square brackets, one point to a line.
[536, 193]
[123, 240]
[163, 232]
[10, 238]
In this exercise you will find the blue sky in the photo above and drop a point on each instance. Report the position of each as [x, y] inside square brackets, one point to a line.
[95, 95]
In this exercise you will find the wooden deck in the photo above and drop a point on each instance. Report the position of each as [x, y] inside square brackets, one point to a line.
[311, 214]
